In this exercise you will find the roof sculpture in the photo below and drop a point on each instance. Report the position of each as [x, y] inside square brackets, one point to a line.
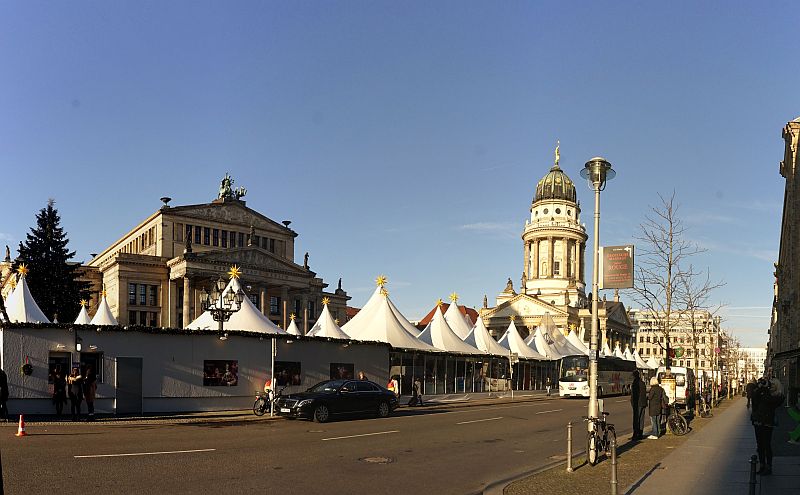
[325, 325]
[379, 320]
[439, 334]
[514, 343]
[456, 320]
[20, 305]
[83, 316]
[479, 338]
[556, 184]
[248, 318]
[103, 316]
[293, 330]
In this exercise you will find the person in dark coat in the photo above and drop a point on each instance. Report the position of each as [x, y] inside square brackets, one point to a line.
[638, 404]
[75, 390]
[657, 402]
[59, 389]
[748, 390]
[3, 395]
[416, 393]
[90, 390]
[767, 396]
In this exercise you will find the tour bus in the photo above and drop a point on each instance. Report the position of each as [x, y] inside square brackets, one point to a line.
[684, 391]
[613, 376]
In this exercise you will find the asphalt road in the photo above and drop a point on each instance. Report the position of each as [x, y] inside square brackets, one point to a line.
[457, 451]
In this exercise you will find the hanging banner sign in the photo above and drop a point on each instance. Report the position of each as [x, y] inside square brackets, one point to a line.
[616, 267]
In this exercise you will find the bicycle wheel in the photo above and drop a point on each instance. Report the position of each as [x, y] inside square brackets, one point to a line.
[677, 424]
[260, 406]
[591, 448]
[611, 434]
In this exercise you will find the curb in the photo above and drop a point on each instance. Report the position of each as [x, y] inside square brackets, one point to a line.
[498, 487]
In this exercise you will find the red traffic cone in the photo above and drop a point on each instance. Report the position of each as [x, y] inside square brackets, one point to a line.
[21, 428]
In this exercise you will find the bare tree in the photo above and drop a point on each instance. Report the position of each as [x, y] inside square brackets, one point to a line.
[660, 264]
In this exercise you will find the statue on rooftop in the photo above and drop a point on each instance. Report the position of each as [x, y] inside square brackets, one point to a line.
[226, 190]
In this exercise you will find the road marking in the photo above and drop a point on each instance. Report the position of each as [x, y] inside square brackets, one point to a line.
[479, 420]
[363, 435]
[626, 400]
[551, 410]
[143, 453]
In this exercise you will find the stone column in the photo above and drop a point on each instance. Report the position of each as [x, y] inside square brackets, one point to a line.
[304, 307]
[551, 243]
[527, 259]
[262, 292]
[565, 257]
[582, 261]
[535, 261]
[187, 294]
[172, 300]
[284, 304]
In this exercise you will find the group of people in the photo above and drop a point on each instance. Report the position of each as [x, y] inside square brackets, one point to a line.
[77, 387]
[653, 401]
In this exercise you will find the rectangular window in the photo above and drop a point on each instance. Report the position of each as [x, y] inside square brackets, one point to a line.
[641, 338]
[256, 240]
[132, 294]
[311, 310]
[241, 239]
[272, 245]
[233, 239]
[153, 319]
[131, 317]
[196, 234]
[264, 241]
[254, 300]
[702, 364]
[143, 318]
[556, 268]
[142, 294]
[95, 361]
[298, 307]
[206, 235]
[153, 295]
[179, 232]
[224, 238]
[274, 305]
[216, 237]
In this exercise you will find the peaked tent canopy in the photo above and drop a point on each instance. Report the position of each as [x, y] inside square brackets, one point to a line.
[83, 316]
[653, 363]
[293, 330]
[20, 305]
[606, 351]
[512, 341]
[248, 318]
[617, 352]
[559, 341]
[639, 361]
[479, 338]
[627, 356]
[455, 320]
[577, 342]
[545, 345]
[326, 326]
[103, 316]
[439, 334]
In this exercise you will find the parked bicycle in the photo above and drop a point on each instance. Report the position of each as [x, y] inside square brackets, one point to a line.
[599, 438]
[264, 401]
[704, 407]
[676, 423]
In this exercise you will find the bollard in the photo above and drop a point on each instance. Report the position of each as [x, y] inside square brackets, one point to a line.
[569, 447]
[613, 466]
[753, 461]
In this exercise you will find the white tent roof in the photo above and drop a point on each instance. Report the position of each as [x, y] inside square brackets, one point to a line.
[653, 363]
[248, 318]
[293, 330]
[21, 307]
[457, 321]
[627, 356]
[83, 317]
[103, 315]
[606, 351]
[559, 341]
[577, 342]
[326, 326]
[380, 321]
[544, 344]
[439, 334]
[479, 337]
[530, 337]
[513, 342]
[617, 352]
[639, 361]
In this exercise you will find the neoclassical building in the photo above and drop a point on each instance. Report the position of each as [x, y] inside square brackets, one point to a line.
[153, 275]
[553, 270]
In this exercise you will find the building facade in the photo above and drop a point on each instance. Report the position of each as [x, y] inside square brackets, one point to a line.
[751, 362]
[153, 275]
[783, 349]
[553, 270]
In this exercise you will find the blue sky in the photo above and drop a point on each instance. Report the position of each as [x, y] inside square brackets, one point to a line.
[406, 138]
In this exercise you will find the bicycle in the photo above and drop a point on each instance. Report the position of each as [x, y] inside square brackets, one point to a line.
[264, 400]
[676, 423]
[599, 438]
[704, 408]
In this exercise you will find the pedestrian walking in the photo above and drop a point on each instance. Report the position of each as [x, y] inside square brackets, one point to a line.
[362, 375]
[75, 391]
[638, 404]
[89, 391]
[748, 390]
[766, 399]
[657, 403]
[416, 393]
[3, 395]
[59, 389]
[547, 385]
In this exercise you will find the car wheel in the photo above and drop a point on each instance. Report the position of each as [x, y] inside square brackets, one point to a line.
[383, 410]
[321, 414]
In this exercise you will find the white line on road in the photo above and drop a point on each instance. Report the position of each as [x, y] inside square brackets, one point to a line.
[551, 410]
[479, 420]
[626, 400]
[363, 435]
[143, 453]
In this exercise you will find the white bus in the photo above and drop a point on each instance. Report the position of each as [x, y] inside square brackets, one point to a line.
[613, 376]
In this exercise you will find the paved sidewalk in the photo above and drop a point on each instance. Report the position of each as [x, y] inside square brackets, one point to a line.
[716, 461]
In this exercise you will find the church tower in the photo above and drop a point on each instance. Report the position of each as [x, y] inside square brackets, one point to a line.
[554, 242]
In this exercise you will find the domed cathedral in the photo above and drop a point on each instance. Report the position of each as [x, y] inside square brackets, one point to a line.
[553, 269]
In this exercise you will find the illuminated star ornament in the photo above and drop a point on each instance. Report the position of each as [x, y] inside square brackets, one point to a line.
[454, 297]
[381, 280]
[84, 302]
[103, 292]
[512, 317]
[12, 283]
[326, 301]
[439, 302]
[22, 269]
[235, 272]
[292, 316]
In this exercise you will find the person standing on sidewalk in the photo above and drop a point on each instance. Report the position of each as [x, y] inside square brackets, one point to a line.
[656, 402]
[90, 390]
[749, 389]
[75, 390]
[638, 404]
[766, 399]
[547, 385]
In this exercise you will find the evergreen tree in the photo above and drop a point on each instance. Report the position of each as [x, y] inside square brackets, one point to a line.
[51, 277]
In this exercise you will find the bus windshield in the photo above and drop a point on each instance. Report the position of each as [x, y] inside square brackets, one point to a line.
[575, 368]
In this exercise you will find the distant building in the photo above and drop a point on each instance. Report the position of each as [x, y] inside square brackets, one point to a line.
[751, 362]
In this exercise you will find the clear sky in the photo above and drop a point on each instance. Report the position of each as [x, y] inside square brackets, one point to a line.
[406, 138]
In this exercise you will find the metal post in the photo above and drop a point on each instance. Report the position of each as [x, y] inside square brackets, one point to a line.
[614, 466]
[569, 447]
[753, 461]
[272, 376]
[593, 344]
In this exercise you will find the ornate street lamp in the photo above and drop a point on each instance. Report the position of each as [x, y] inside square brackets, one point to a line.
[596, 171]
[221, 304]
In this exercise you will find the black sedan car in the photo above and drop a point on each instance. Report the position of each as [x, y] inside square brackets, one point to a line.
[333, 398]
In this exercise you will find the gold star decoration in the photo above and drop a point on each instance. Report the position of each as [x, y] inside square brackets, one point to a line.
[439, 302]
[381, 280]
[234, 272]
[84, 302]
[292, 316]
[512, 317]
[336, 321]
[103, 292]
[454, 297]
[326, 301]
[22, 269]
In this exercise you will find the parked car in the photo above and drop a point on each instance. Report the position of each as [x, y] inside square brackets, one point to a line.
[333, 398]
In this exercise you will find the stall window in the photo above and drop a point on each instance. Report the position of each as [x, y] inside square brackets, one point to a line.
[58, 361]
[95, 360]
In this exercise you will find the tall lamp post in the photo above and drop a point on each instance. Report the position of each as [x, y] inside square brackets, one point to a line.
[597, 172]
[221, 304]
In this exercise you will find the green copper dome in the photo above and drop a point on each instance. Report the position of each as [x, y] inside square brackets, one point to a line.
[555, 185]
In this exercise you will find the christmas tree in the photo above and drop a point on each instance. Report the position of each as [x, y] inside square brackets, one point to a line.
[51, 277]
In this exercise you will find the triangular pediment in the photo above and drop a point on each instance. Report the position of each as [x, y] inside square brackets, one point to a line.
[524, 305]
[231, 213]
[254, 257]
[616, 312]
